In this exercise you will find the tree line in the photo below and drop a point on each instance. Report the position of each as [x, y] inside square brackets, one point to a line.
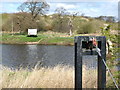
[33, 15]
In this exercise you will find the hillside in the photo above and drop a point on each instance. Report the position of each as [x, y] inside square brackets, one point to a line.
[80, 24]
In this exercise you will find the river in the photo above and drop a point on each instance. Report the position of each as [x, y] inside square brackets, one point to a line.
[16, 56]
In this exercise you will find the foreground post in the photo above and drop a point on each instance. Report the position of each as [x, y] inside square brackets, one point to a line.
[84, 42]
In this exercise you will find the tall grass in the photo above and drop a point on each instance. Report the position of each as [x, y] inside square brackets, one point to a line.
[57, 77]
[54, 77]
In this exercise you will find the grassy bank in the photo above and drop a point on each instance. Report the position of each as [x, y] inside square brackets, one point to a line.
[43, 38]
[46, 38]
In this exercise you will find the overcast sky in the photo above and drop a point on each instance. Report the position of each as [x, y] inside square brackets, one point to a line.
[92, 8]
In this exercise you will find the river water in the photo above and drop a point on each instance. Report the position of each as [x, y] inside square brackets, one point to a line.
[15, 56]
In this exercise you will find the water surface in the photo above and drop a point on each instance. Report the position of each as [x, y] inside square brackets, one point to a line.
[15, 56]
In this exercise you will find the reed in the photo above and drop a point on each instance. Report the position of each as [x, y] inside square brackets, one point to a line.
[53, 77]
[56, 77]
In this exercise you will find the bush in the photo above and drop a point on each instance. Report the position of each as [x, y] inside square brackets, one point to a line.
[22, 22]
[60, 24]
[87, 27]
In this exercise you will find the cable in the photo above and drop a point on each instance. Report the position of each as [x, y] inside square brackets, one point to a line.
[98, 51]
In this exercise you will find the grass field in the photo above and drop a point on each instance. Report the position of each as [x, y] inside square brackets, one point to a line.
[46, 38]
[43, 38]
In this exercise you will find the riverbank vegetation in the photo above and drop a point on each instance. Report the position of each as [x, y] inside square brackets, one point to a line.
[56, 77]
[52, 29]
[46, 38]
[21, 22]
[52, 77]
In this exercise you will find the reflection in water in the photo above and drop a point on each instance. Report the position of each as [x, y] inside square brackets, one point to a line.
[14, 56]
[59, 55]
[34, 54]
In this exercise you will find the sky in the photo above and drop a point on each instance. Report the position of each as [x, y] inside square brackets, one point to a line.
[89, 8]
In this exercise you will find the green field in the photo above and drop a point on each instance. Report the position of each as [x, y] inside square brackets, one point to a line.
[43, 38]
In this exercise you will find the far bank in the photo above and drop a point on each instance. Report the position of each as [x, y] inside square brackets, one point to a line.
[45, 38]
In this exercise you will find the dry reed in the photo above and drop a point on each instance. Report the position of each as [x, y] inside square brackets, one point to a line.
[54, 77]
[57, 77]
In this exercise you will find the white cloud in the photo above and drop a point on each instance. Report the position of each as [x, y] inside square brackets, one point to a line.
[90, 9]
[93, 10]
[66, 6]
[1, 6]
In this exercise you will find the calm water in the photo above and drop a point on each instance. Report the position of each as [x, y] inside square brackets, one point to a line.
[14, 56]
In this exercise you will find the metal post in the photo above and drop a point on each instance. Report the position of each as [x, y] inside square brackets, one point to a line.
[101, 66]
[78, 61]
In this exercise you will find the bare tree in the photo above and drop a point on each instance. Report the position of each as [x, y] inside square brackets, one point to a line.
[35, 7]
[70, 26]
[71, 18]
[61, 11]
[74, 14]
[107, 18]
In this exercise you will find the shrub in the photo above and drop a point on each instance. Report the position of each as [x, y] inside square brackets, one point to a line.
[22, 22]
[92, 26]
[60, 24]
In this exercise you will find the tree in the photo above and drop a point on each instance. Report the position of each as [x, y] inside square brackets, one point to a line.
[61, 11]
[59, 22]
[70, 23]
[35, 7]
[107, 18]
[110, 19]
[65, 17]
[113, 56]
[70, 26]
